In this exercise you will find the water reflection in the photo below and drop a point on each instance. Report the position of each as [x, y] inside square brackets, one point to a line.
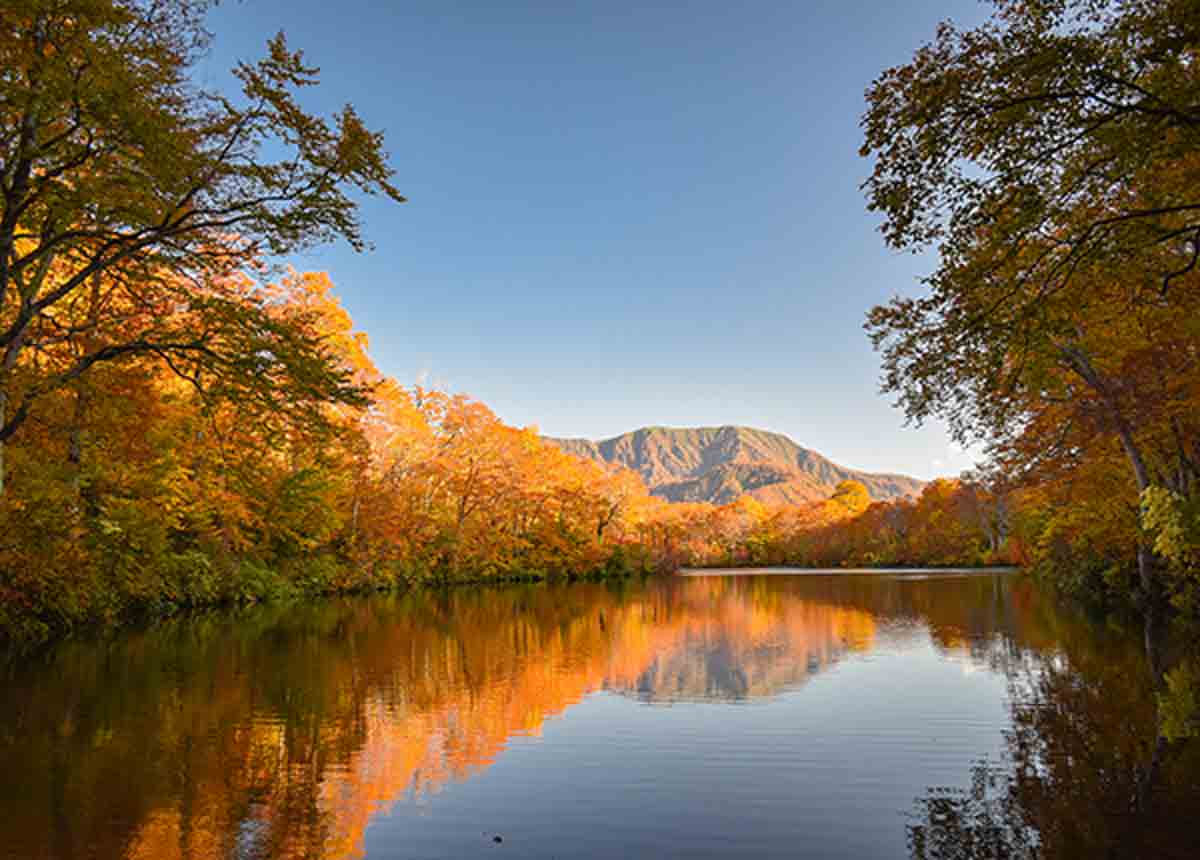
[284, 732]
[731, 642]
[1099, 760]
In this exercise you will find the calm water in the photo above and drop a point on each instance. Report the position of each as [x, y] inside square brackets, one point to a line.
[751, 716]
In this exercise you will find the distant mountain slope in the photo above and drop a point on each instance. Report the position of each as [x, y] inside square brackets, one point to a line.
[719, 464]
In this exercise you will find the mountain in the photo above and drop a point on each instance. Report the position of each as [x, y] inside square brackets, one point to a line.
[719, 464]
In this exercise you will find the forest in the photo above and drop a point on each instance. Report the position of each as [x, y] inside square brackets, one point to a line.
[185, 420]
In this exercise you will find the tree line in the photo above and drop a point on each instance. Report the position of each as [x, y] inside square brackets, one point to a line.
[183, 423]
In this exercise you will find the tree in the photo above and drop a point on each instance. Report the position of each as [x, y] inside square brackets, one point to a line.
[850, 497]
[1051, 155]
[119, 175]
[1067, 128]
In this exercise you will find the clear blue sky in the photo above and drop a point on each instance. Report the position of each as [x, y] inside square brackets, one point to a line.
[622, 214]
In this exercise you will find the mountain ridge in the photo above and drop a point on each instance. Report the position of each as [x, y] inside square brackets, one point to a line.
[721, 463]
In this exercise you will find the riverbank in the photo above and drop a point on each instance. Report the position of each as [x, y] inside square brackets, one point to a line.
[28, 622]
[197, 590]
[824, 571]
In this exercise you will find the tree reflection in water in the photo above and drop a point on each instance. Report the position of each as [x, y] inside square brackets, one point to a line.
[284, 732]
[1101, 760]
[982, 822]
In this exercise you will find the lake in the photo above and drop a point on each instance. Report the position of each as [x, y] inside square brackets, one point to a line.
[832, 715]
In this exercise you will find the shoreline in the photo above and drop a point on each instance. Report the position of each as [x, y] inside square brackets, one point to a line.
[14, 644]
[783, 570]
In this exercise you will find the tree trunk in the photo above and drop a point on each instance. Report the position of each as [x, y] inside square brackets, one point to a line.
[1145, 555]
[1082, 365]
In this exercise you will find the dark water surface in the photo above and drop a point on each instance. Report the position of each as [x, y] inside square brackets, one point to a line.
[854, 716]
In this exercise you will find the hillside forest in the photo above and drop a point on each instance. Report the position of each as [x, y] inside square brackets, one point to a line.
[186, 421]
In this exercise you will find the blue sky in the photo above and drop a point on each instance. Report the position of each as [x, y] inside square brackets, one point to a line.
[622, 214]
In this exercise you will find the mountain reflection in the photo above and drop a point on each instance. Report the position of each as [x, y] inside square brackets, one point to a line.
[734, 643]
[282, 732]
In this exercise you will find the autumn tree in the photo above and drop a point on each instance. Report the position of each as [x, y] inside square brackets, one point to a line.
[119, 175]
[1051, 156]
[1068, 127]
[849, 498]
